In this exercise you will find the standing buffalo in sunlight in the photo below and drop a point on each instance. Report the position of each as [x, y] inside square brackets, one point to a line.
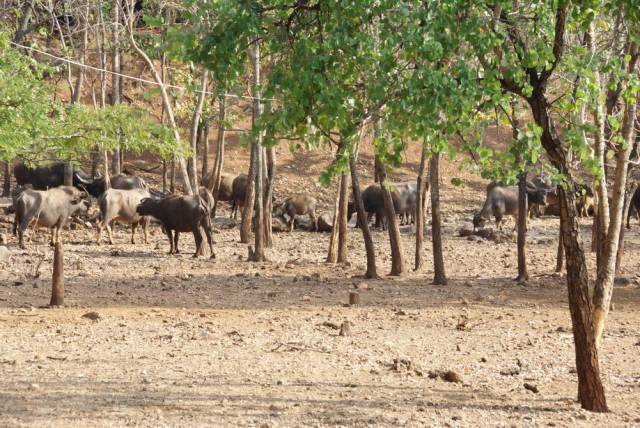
[120, 205]
[49, 208]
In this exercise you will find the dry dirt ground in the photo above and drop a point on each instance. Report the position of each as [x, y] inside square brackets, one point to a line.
[183, 342]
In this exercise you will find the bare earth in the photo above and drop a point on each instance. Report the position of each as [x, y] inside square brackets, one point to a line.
[183, 342]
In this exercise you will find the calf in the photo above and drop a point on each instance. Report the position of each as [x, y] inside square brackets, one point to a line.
[180, 214]
[298, 205]
[49, 208]
[120, 205]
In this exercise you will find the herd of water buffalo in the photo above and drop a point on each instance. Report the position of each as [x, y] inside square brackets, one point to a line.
[41, 199]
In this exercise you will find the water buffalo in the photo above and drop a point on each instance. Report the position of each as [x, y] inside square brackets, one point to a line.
[49, 208]
[403, 196]
[180, 214]
[120, 205]
[298, 205]
[41, 177]
[238, 193]
[503, 200]
[634, 205]
[96, 186]
[225, 191]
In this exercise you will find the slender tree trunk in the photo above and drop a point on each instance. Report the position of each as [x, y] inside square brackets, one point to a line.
[188, 188]
[627, 202]
[68, 173]
[364, 226]
[332, 254]
[249, 200]
[343, 230]
[604, 282]
[57, 279]
[268, 195]
[77, 92]
[560, 253]
[219, 162]
[204, 143]
[420, 184]
[439, 276]
[172, 177]
[590, 389]
[6, 185]
[258, 163]
[115, 79]
[23, 26]
[195, 125]
[107, 180]
[397, 262]
[523, 275]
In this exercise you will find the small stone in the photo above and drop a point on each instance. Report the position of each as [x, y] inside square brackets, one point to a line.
[451, 376]
[531, 387]
[306, 298]
[345, 329]
[362, 286]
[5, 253]
[93, 316]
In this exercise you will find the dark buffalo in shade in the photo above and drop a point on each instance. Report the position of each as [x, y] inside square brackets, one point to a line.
[96, 186]
[634, 206]
[502, 200]
[238, 193]
[225, 192]
[49, 208]
[403, 196]
[180, 214]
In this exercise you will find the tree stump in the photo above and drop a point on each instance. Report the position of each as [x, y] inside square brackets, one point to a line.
[354, 298]
[57, 279]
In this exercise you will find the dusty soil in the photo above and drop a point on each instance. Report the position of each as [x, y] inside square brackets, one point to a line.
[184, 342]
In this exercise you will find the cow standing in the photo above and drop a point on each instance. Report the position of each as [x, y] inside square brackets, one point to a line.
[49, 208]
[120, 205]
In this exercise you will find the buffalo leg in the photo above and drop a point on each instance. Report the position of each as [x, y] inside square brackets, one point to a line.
[197, 236]
[314, 220]
[170, 236]
[176, 236]
[133, 232]
[110, 231]
[145, 224]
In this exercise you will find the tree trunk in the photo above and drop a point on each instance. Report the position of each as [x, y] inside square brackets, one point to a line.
[77, 92]
[523, 275]
[172, 177]
[219, 162]
[107, 180]
[420, 184]
[343, 203]
[257, 255]
[57, 279]
[268, 195]
[332, 254]
[188, 188]
[604, 282]
[6, 185]
[195, 125]
[590, 389]
[397, 262]
[627, 202]
[560, 253]
[23, 26]
[439, 276]
[203, 136]
[249, 200]
[68, 173]
[115, 79]
[364, 224]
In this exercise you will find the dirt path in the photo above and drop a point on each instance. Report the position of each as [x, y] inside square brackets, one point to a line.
[183, 342]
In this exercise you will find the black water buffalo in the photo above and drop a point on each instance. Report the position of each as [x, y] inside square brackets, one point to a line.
[503, 200]
[41, 177]
[180, 214]
[49, 208]
[120, 205]
[634, 205]
[403, 196]
[298, 205]
[96, 186]
[238, 193]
